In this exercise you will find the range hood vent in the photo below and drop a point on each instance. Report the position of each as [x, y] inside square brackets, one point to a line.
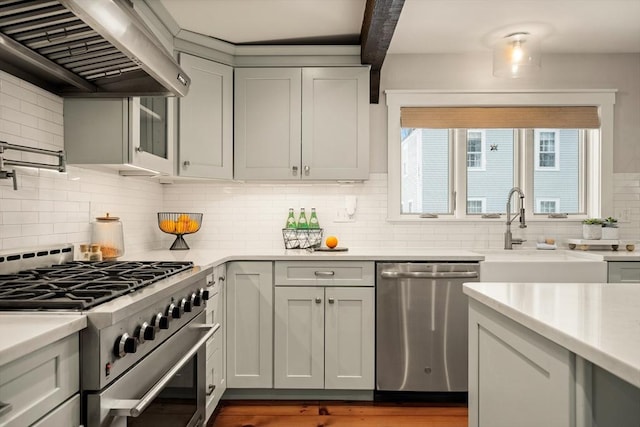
[86, 48]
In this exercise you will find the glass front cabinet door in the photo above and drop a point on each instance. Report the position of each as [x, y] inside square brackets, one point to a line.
[152, 133]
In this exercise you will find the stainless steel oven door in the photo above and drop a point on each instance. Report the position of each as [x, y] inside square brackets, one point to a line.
[166, 388]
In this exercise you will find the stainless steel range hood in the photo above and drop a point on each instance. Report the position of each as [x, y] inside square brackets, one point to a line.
[86, 48]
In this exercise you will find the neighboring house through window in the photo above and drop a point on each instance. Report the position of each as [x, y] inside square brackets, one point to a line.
[475, 149]
[476, 205]
[548, 205]
[546, 142]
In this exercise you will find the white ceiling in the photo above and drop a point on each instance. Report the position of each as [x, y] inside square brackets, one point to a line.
[425, 26]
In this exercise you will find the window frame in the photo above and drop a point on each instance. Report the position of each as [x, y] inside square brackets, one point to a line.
[599, 167]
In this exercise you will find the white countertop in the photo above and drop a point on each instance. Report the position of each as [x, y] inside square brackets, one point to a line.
[598, 322]
[23, 333]
[212, 257]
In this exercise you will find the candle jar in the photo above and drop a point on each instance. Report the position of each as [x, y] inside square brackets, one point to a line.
[108, 233]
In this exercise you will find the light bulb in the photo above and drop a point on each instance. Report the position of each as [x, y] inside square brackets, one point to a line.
[517, 52]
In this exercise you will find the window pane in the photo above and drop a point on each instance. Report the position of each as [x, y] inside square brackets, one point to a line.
[491, 183]
[556, 177]
[426, 163]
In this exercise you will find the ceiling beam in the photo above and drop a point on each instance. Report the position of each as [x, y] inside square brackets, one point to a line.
[378, 25]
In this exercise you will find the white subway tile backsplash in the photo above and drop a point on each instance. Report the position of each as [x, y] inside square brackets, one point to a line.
[51, 207]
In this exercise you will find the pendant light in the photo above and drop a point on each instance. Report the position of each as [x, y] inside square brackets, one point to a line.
[516, 55]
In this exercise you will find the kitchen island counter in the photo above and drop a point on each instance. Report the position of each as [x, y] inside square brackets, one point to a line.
[23, 333]
[570, 348]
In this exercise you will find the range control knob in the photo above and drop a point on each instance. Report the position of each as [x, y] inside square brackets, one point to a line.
[174, 311]
[185, 305]
[145, 332]
[196, 299]
[160, 321]
[125, 344]
[204, 294]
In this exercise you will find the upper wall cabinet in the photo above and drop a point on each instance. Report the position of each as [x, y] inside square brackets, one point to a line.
[205, 129]
[131, 135]
[301, 123]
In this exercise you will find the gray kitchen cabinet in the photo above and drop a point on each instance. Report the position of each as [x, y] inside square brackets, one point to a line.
[301, 123]
[623, 271]
[324, 331]
[216, 383]
[516, 375]
[249, 324]
[42, 385]
[131, 135]
[205, 126]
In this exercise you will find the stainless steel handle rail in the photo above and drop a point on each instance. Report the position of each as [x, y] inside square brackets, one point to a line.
[429, 275]
[133, 407]
[5, 408]
[325, 273]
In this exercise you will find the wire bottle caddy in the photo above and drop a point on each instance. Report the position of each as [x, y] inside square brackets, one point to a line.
[302, 238]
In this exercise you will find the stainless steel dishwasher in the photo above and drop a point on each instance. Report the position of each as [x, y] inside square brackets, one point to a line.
[421, 326]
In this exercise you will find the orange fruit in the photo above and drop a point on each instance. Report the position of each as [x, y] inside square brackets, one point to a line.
[331, 242]
[167, 225]
[181, 227]
[184, 218]
[192, 226]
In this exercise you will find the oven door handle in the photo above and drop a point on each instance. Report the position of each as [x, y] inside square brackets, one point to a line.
[134, 407]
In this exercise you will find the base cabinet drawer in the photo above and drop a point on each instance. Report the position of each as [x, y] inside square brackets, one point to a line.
[324, 273]
[67, 414]
[39, 382]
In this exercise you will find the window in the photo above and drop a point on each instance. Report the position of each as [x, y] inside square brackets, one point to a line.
[546, 143]
[557, 168]
[475, 149]
[548, 205]
[476, 206]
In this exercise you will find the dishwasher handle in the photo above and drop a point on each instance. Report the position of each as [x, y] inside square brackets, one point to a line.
[429, 275]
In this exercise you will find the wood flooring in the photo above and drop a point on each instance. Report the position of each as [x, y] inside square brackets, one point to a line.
[337, 414]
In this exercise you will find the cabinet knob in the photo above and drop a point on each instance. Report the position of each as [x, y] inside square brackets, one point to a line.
[186, 163]
[139, 149]
[294, 170]
[318, 300]
[331, 300]
[306, 170]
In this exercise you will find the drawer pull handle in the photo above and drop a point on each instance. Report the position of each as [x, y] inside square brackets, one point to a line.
[325, 273]
[210, 390]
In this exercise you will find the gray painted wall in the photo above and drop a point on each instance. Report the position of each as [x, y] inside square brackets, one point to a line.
[559, 71]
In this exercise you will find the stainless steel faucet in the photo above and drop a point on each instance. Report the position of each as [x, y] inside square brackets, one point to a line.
[509, 241]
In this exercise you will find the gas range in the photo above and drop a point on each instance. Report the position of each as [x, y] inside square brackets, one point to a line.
[138, 312]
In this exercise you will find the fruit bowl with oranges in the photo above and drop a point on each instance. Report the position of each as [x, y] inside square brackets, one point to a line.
[179, 224]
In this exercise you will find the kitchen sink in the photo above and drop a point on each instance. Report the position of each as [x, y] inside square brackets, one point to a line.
[541, 266]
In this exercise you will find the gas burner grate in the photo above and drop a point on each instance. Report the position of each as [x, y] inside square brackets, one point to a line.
[80, 285]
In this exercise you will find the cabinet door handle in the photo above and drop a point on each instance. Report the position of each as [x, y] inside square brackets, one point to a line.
[331, 300]
[210, 389]
[139, 149]
[306, 170]
[318, 300]
[186, 163]
[221, 278]
[294, 170]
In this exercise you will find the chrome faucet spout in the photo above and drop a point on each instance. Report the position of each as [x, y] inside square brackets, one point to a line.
[509, 241]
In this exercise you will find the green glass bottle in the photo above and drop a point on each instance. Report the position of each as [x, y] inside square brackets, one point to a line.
[313, 219]
[302, 220]
[291, 220]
